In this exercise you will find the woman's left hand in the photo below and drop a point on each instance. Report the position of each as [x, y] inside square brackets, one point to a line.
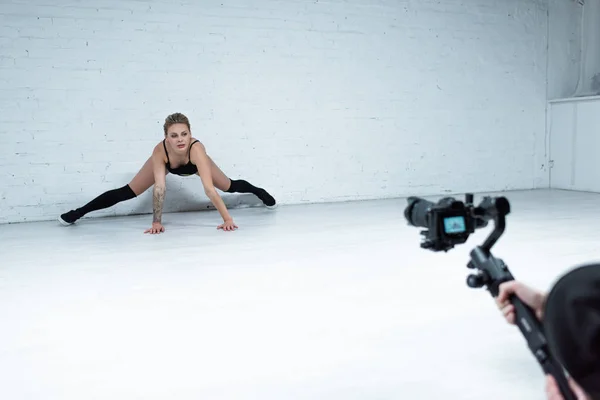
[228, 225]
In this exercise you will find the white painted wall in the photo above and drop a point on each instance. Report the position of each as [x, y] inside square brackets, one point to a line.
[565, 38]
[574, 107]
[575, 144]
[315, 101]
[589, 81]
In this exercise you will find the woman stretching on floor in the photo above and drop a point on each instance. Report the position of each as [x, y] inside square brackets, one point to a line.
[180, 154]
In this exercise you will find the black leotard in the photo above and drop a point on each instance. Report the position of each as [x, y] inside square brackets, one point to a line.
[184, 170]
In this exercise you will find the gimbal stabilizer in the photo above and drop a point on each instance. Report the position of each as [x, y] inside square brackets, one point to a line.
[450, 222]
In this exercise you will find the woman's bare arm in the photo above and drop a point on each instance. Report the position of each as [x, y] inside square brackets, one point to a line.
[199, 157]
[158, 192]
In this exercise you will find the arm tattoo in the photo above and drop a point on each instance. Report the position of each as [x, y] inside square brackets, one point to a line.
[159, 198]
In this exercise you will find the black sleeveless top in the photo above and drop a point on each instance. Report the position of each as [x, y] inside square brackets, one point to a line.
[184, 170]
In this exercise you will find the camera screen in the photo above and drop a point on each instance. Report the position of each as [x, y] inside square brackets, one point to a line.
[454, 224]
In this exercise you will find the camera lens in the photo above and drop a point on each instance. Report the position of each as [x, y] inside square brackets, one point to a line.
[416, 211]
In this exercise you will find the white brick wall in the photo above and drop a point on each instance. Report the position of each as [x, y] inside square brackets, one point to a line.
[315, 101]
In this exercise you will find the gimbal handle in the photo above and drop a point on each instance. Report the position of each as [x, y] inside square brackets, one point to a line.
[491, 273]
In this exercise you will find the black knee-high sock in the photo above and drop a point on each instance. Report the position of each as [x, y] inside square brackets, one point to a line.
[242, 186]
[106, 199]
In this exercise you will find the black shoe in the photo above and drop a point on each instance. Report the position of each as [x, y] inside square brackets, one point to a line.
[266, 198]
[69, 218]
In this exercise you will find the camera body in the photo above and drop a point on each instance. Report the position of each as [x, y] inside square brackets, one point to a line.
[449, 222]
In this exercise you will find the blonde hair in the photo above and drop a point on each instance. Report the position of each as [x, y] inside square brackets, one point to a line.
[176, 118]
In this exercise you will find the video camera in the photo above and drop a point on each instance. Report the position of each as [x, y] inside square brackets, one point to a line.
[450, 222]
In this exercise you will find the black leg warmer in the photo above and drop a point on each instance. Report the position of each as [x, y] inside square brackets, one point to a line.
[242, 186]
[105, 200]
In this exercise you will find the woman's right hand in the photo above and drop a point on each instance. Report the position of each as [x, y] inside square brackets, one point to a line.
[156, 228]
[531, 297]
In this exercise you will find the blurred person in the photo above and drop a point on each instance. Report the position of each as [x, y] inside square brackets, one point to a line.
[570, 316]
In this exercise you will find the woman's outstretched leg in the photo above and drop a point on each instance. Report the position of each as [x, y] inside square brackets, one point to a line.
[105, 200]
[139, 184]
[242, 186]
[224, 183]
